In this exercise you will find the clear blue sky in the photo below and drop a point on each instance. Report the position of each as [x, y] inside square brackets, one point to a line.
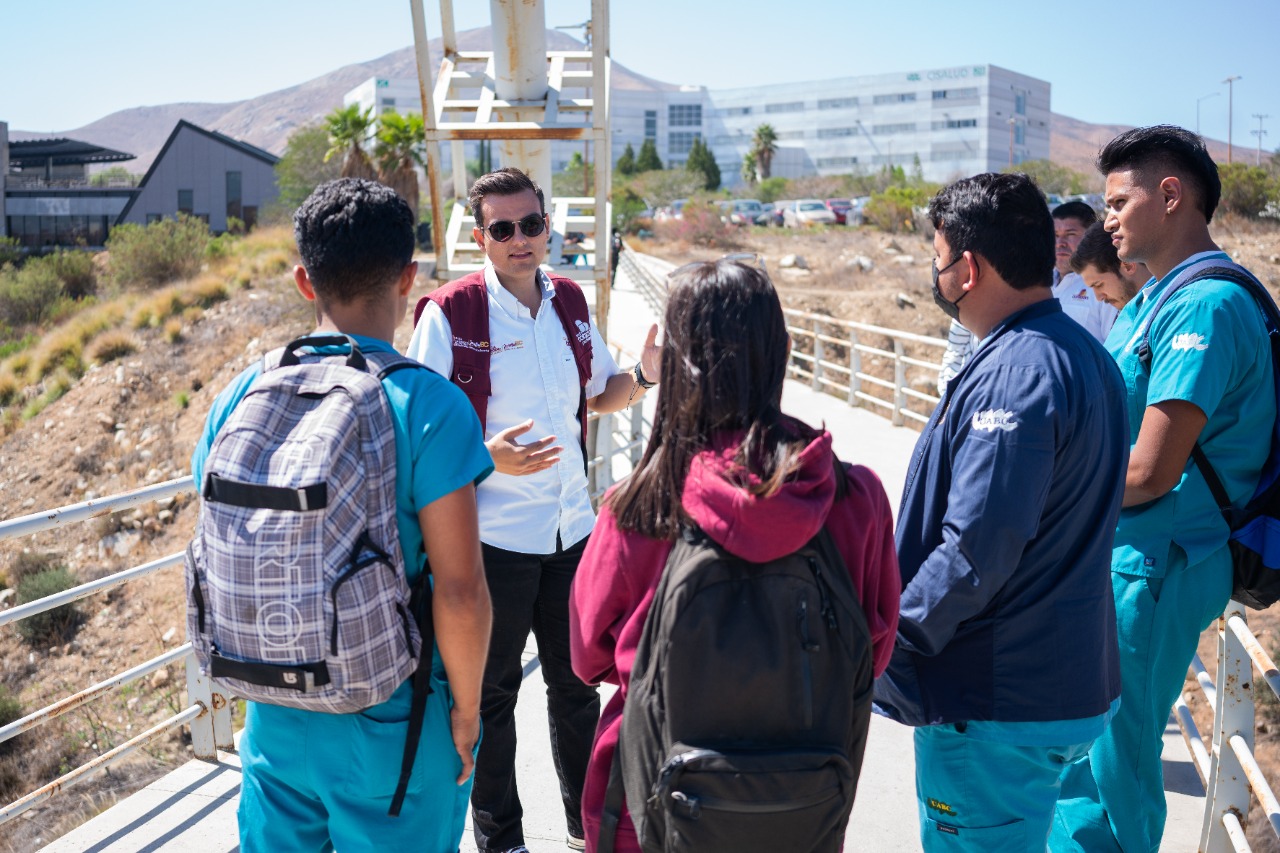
[65, 63]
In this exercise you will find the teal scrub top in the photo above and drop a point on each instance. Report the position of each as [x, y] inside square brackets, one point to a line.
[1209, 347]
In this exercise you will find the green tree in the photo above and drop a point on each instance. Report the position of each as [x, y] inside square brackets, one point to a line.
[764, 144]
[627, 162]
[117, 176]
[772, 189]
[348, 133]
[702, 162]
[400, 150]
[303, 166]
[647, 160]
[748, 169]
[1052, 178]
[1247, 190]
[660, 187]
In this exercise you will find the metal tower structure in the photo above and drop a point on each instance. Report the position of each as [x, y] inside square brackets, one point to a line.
[521, 96]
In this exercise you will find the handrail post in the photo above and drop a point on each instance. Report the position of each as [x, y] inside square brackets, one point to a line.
[200, 689]
[855, 369]
[899, 384]
[604, 449]
[1233, 715]
[637, 433]
[818, 353]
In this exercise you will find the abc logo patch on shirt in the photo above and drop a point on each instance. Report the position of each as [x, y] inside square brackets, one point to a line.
[1188, 341]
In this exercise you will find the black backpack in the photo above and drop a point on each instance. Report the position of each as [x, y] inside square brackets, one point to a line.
[749, 704]
[1255, 529]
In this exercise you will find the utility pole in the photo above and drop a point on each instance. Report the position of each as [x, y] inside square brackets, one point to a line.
[1198, 100]
[1259, 133]
[1230, 93]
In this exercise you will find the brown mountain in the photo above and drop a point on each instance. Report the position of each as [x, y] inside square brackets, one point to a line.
[268, 120]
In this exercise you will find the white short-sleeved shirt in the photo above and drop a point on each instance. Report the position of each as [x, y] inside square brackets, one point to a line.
[1081, 305]
[532, 375]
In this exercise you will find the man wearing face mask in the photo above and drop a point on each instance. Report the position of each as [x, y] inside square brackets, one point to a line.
[1006, 658]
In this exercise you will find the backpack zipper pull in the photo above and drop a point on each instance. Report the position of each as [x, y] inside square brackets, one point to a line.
[802, 621]
[828, 612]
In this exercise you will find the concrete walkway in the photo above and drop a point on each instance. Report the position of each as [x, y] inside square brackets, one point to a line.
[192, 810]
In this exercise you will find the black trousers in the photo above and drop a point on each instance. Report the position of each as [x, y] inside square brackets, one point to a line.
[530, 591]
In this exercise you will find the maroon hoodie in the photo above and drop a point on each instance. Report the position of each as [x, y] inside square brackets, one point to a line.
[619, 572]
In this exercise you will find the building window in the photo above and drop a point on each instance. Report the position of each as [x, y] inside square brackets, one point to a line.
[789, 107]
[233, 196]
[837, 103]
[790, 134]
[1019, 134]
[828, 162]
[684, 115]
[951, 154]
[651, 124]
[896, 98]
[680, 142]
[154, 217]
[833, 132]
[735, 111]
[889, 129]
[389, 103]
[1020, 103]
[186, 201]
[967, 93]
[954, 123]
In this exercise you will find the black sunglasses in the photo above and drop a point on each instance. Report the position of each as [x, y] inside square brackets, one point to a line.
[504, 229]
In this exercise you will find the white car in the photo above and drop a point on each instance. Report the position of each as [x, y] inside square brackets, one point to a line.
[807, 211]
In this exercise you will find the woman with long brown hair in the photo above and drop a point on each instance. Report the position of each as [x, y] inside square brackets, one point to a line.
[724, 459]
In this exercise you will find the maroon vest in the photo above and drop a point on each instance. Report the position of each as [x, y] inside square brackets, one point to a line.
[465, 304]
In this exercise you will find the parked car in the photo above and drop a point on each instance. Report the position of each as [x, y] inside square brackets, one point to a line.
[807, 211]
[671, 211]
[857, 210]
[839, 207]
[743, 211]
[765, 216]
[779, 208]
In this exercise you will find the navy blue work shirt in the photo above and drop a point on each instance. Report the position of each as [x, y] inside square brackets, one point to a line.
[1005, 531]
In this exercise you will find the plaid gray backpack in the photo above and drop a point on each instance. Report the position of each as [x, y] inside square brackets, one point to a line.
[296, 589]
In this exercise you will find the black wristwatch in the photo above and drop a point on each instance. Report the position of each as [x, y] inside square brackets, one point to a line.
[640, 380]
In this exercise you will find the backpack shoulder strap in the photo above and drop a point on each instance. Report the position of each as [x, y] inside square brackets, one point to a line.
[1206, 269]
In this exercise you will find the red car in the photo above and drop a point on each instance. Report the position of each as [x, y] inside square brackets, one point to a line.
[840, 207]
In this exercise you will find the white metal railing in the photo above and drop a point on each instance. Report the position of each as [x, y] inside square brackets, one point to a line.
[208, 708]
[838, 357]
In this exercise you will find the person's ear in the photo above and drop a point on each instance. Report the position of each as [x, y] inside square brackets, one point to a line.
[971, 261]
[478, 235]
[408, 276]
[1173, 193]
[303, 283]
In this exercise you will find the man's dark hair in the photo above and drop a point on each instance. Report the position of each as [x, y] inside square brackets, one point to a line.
[507, 181]
[1077, 210]
[1003, 218]
[1096, 250]
[1154, 153]
[355, 238]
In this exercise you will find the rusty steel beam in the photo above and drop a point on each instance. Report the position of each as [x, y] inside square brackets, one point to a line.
[57, 709]
[49, 602]
[51, 518]
[97, 765]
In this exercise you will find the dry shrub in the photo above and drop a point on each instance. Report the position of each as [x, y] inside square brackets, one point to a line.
[63, 349]
[192, 314]
[160, 307]
[111, 345]
[10, 387]
[173, 330]
[27, 563]
[207, 292]
[52, 625]
[54, 388]
[150, 255]
[700, 225]
[274, 263]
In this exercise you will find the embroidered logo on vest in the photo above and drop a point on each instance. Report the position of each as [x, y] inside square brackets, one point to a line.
[584, 331]
[476, 346]
[994, 419]
[1188, 341]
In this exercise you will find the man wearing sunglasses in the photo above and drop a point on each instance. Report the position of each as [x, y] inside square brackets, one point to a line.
[521, 344]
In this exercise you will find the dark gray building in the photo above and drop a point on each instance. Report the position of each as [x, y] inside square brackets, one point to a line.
[48, 198]
[207, 175]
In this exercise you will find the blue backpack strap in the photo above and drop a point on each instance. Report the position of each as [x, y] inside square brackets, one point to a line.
[1226, 271]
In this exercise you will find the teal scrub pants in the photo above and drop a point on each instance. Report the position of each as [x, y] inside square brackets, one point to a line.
[314, 781]
[982, 796]
[1114, 799]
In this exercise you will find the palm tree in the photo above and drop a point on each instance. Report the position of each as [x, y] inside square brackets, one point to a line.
[348, 131]
[748, 170]
[764, 146]
[400, 152]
